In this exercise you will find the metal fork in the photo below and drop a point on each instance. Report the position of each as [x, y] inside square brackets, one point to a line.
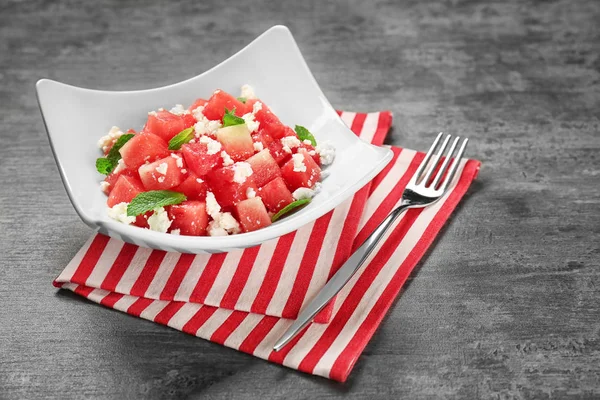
[420, 192]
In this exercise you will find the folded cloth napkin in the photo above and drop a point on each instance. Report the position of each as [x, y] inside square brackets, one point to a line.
[176, 289]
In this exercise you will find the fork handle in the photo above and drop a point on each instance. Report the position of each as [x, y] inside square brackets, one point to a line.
[339, 279]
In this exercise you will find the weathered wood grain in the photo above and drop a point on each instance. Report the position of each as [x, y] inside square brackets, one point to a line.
[507, 303]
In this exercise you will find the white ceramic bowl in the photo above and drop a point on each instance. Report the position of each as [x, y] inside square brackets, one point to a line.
[272, 64]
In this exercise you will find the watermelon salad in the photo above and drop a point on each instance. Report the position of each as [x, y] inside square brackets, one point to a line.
[220, 167]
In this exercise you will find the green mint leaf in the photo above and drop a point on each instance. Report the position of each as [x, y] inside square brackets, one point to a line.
[181, 138]
[146, 201]
[104, 165]
[242, 99]
[290, 207]
[304, 134]
[230, 119]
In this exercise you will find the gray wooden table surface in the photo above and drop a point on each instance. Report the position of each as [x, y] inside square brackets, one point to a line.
[505, 305]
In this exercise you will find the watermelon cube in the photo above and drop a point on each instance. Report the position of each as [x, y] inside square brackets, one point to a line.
[301, 171]
[193, 187]
[226, 190]
[236, 141]
[278, 153]
[166, 125]
[215, 106]
[198, 160]
[275, 195]
[264, 167]
[312, 152]
[112, 178]
[252, 214]
[126, 188]
[190, 217]
[143, 147]
[162, 174]
[197, 103]
[267, 120]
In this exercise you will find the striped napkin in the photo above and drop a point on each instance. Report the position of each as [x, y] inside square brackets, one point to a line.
[245, 299]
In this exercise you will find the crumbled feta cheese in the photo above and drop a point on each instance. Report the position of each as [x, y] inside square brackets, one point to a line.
[106, 141]
[250, 193]
[326, 151]
[179, 110]
[199, 180]
[104, 186]
[212, 207]
[258, 146]
[204, 126]
[118, 212]
[227, 222]
[287, 149]
[299, 165]
[120, 166]
[312, 153]
[215, 230]
[159, 221]
[290, 141]
[317, 188]
[214, 146]
[217, 91]
[241, 171]
[325, 174]
[256, 107]
[184, 171]
[303, 193]
[178, 160]
[161, 179]
[251, 123]
[153, 113]
[247, 92]
[162, 168]
[226, 159]
[176, 232]
[161, 109]
[307, 142]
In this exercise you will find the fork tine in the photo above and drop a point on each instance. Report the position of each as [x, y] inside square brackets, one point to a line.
[444, 166]
[425, 161]
[436, 160]
[454, 166]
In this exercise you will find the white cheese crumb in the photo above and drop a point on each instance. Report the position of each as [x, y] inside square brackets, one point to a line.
[241, 171]
[250, 193]
[303, 193]
[199, 180]
[256, 107]
[179, 110]
[161, 179]
[299, 165]
[307, 142]
[106, 141]
[184, 171]
[161, 109]
[250, 122]
[247, 92]
[287, 149]
[120, 166]
[317, 188]
[204, 126]
[176, 232]
[290, 141]
[159, 221]
[153, 113]
[258, 146]
[119, 213]
[325, 174]
[104, 186]
[215, 230]
[326, 151]
[312, 153]
[178, 160]
[162, 168]
[226, 159]
[214, 146]
[212, 207]
[227, 222]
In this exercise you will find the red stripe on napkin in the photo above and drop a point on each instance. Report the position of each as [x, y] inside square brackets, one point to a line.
[283, 281]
